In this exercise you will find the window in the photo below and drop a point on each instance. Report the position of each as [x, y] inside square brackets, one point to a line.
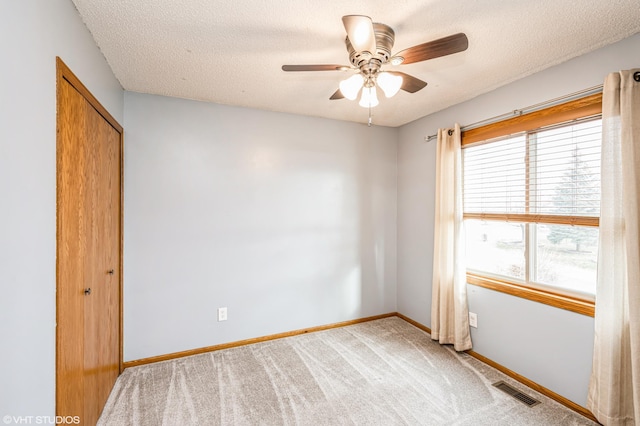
[532, 204]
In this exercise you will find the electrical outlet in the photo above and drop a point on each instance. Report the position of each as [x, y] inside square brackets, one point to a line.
[473, 319]
[222, 314]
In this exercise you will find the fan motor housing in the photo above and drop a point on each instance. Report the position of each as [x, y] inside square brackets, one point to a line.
[385, 37]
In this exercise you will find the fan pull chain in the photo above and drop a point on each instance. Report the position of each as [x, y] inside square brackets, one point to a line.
[369, 124]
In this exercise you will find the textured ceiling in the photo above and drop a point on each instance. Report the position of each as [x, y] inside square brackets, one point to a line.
[230, 51]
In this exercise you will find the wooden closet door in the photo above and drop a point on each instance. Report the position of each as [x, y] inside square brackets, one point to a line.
[71, 258]
[89, 253]
[101, 316]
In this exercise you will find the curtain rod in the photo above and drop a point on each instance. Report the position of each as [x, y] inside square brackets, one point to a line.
[518, 112]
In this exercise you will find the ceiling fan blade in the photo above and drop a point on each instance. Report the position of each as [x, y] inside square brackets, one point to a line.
[337, 95]
[434, 49]
[360, 32]
[327, 67]
[409, 83]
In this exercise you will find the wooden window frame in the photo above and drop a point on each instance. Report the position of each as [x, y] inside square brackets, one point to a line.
[563, 113]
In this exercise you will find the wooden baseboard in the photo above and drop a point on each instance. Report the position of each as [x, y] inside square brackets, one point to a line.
[206, 349]
[535, 386]
[414, 323]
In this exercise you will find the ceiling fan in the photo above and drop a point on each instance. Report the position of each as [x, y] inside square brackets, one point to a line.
[369, 45]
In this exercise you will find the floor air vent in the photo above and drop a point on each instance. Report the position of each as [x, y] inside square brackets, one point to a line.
[508, 389]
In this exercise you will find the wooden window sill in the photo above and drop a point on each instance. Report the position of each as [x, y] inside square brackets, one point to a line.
[573, 304]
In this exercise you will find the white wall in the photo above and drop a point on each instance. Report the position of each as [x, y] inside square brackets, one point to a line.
[549, 346]
[288, 221]
[32, 34]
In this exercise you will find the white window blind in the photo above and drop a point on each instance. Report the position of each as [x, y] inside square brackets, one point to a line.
[551, 171]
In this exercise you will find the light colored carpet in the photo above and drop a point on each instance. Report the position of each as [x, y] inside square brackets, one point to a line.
[383, 372]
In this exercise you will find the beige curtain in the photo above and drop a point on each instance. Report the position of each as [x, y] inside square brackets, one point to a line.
[449, 309]
[614, 389]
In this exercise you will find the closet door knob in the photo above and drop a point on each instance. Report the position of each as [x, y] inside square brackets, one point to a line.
[87, 291]
[110, 271]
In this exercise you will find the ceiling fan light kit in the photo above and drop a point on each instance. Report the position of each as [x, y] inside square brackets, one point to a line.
[351, 86]
[389, 83]
[369, 97]
[369, 45]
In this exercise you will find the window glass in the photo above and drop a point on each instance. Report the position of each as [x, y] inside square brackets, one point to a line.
[496, 248]
[566, 256]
